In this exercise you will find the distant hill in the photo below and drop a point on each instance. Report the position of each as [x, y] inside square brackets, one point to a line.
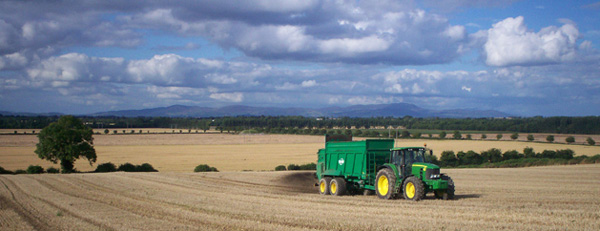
[384, 110]
[8, 113]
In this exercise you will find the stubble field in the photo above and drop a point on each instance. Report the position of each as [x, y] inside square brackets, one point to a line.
[228, 152]
[537, 198]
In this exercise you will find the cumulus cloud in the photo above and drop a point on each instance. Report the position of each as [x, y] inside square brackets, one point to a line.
[359, 33]
[510, 42]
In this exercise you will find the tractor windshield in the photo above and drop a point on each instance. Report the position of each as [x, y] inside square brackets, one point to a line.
[414, 155]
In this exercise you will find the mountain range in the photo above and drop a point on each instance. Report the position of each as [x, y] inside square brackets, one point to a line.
[377, 110]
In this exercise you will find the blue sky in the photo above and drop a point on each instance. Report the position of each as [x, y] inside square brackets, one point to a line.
[525, 58]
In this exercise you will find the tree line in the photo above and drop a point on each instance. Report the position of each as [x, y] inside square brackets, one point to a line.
[496, 158]
[564, 125]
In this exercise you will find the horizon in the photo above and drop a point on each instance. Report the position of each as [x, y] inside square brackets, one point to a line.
[523, 58]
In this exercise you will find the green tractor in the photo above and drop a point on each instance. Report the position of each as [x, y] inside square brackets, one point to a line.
[376, 166]
[410, 174]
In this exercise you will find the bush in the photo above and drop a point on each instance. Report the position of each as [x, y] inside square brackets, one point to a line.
[127, 167]
[292, 167]
[448, 159]
[550, 138]
[514, 136]
[280, 168]
[205, 168]
[483, 136]
[491, 156]
[311, 166]
[35, 169]
[566, 154]
[590, 141]
[106, 167]
[570, 139]
[4, 171]
[53, 170]
[145, 167]
[20, 171]
[530, 137]
[499, 136]
[529, 153]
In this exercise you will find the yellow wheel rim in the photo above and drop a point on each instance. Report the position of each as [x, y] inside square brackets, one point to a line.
[333, 187]
[383, 185]
[322, 186]
[410, 190]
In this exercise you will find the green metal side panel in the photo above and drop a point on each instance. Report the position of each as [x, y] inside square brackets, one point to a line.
[354, 160]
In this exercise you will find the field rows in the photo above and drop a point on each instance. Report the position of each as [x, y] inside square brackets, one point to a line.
[540, 198]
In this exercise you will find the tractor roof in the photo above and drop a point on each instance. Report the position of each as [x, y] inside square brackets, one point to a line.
[402, 148]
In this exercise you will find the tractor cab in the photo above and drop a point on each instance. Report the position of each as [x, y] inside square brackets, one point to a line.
[404, 158]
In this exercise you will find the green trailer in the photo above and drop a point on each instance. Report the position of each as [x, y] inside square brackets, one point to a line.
[374, 165]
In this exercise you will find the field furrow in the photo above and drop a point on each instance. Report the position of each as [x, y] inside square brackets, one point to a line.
[539, 198]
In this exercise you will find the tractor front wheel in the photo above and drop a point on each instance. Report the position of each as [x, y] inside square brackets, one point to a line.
[413, 189]
[384, 184]
[324, 185]
[449, 194]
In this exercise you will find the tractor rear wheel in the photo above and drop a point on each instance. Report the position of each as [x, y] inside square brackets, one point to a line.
[384, 184]
[413, 189]
[337, 186]
[324, 185]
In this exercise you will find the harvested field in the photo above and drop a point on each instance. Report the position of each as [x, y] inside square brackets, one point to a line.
[228, 152]
[538, 198]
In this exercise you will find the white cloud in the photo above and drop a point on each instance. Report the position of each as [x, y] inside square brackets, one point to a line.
[365, 100]
[235, 97]
[509, 43]
[465, 88]
[309, 83]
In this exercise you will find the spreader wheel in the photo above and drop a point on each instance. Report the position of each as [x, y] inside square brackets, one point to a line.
[324, 185]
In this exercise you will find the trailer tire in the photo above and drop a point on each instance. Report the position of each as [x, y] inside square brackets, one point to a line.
[413, 189]
[384, 184]
[337, 186]
[324, 185]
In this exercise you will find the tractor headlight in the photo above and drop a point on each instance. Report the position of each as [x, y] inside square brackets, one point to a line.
[435, 176]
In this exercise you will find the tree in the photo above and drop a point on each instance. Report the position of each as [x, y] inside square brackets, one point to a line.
[530, 137]
[499, 136]
[66, 140]
[442, 134]
[590, 141]
[405, 134]
[514, 136]
[570, 139]
[550, 138]
[106, 131]
[483, 136]
[457, 135]
[529, 152]
[448, 159]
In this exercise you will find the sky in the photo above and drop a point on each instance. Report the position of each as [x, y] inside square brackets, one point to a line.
[525, 58]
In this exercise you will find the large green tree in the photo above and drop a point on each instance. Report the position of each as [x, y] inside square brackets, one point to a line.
[66, 140]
